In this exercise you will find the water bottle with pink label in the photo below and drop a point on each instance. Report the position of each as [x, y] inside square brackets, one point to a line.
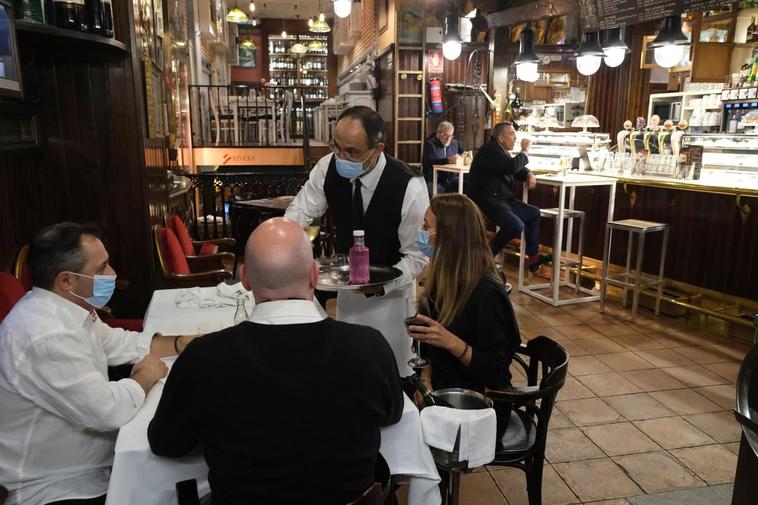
[359, 263]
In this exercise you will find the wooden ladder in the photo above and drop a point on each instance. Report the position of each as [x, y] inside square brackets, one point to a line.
[410, 103]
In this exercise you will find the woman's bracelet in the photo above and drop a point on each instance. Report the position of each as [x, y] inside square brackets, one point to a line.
[465, 350]
[176, 344]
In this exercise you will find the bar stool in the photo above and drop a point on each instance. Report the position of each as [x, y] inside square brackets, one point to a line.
[570, 214]
[641, 228]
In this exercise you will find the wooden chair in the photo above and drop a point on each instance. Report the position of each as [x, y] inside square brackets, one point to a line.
[11, 291]
[181, 271]
[523, 443]
[21, 268]
[196, 247]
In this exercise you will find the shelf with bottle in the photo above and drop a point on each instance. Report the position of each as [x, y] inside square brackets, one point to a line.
[94, 17]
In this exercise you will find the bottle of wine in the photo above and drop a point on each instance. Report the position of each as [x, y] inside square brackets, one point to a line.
[95, 10]
[70, 14]
[108, 18]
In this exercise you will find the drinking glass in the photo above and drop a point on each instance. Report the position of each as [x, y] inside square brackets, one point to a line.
[337, 271]
[205, 328]
[417, 362]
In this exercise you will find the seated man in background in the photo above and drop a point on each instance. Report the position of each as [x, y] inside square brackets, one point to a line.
[287, 406]
[441, 149]
[58, 411]
[491, 187]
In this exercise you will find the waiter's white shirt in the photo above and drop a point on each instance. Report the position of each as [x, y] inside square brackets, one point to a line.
[310, 203]
[385, 313]
[58, 411]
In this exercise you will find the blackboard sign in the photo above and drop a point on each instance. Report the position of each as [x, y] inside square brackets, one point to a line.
[603, 14]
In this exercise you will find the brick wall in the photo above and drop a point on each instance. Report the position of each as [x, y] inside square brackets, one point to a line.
[367, 39]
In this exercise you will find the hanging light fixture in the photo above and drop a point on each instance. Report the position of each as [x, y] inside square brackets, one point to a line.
[247, 43]
[252, 6]
[320, 25]
[527, 59]
[315, 46]
[614, 47]
[298, 48]
[342, 8]
[451, 41]
[668, 46]
[253, 21]
[310, 22]
[236, 15]
[589, 54]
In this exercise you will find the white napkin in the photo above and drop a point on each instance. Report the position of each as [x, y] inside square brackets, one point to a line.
[193, 298]
[478, 430]
[230, 290]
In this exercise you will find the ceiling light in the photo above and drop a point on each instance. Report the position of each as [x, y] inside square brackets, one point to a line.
[298, 49]
[310, 22]
[252, 6]
[254, 21]
[315, 46]
[236, 15]
[321, 16]
[614, 47]
[342, 8]
[589, 54]
[451, 41]
[247, 43]
[320, 26]
[668, 47]
[527, 59]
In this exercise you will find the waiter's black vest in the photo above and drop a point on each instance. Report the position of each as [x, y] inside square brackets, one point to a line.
[382, 217]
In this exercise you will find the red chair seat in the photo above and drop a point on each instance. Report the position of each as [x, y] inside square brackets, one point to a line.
[176, 261]
[208, 249]
[127, 324]
[11, 291]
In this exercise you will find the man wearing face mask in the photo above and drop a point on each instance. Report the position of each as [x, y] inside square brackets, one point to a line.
[365, 189]
[59, 411]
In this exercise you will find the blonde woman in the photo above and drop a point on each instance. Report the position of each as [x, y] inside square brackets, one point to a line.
[472, 333]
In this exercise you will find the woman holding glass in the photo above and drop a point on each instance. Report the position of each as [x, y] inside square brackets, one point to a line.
[472, 333]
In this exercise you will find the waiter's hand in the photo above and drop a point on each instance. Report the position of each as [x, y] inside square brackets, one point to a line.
[525, 143]
[435, 334]
[531, 181]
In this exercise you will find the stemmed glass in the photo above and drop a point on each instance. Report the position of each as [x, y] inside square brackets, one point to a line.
[417, 363]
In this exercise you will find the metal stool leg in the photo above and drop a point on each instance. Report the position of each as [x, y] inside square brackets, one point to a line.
[664, 245]
[638, 276]
[627, 270]
[580, 254]
[606, 254]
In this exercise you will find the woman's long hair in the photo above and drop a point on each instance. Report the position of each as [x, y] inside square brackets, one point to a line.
[461, 255]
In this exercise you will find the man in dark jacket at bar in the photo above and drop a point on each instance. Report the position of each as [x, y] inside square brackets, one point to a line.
[491, 187]
[287, 406]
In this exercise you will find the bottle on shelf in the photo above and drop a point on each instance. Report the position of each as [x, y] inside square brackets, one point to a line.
[70, 14]
[359, 259]
[108, 18]
[94, 9]
[751, 31]
[30, 10]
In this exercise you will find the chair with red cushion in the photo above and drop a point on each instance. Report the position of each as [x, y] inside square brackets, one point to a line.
[179, 270]
[11, 291]
[21, 268]
[196, 247]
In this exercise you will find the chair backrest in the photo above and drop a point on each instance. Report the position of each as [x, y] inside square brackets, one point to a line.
[176, 224]
[21, 267]
[551, 359]
[11, 291]
[170, 255]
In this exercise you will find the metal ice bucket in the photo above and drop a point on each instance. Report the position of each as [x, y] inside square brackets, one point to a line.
[463, 399]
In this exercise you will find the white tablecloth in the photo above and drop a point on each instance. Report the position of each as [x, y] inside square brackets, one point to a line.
[141, 478]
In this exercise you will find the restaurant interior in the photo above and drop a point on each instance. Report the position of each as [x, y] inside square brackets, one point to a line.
[178, 127]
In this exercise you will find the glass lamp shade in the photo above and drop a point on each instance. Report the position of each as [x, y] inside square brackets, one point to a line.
[669, 55]
[315, 46]
[451, 50]
[320, 26]
[252, 6]
[668, 46]
[342, 8]
[247, 44]
[614, 56]
[527, 71]
[236, 15]
[588, 65]
[298, 49]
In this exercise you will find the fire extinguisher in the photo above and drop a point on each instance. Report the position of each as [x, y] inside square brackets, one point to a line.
[435, 92]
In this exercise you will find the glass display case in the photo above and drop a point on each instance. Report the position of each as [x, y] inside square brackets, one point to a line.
[554, 151]
[726, 159]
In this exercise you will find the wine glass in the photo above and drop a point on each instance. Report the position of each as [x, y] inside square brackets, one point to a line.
[417, 363]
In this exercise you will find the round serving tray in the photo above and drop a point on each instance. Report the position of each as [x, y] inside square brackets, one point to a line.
[336, 278]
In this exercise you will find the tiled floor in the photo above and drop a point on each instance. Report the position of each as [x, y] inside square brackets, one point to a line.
[645, 409]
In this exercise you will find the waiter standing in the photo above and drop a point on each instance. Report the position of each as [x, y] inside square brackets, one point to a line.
[366, 189]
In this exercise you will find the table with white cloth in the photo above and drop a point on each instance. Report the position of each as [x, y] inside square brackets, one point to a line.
[139, 477]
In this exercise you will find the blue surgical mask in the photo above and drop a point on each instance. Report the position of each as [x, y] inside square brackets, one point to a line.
[103, 287]
[350, 169]
[422, 240]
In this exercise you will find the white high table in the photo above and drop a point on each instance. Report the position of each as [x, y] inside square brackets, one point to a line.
[563, 182]
[139, 477]
[459, 170]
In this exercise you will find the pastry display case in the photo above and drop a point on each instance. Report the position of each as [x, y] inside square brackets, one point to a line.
[554, 151]
[725, 159]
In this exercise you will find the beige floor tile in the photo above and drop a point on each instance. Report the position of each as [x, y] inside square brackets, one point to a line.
[735, 350]
[597, 479]
[734, 447]
[480, 489]
[531, 333]
[673, 338]
[728, 371]
[560, 319]
[607, 502]
[624, 361]
[588, 411]
[673, 432]
[531, 322]
[579, 332]
[615, 329]
[620, 438]
[712, 463]
[638, 407]
[602, 345]
[570, 444]
[685, 401]
[695, 375]
[657, 472]
[586, 365]
[724, 395]
[558, 420]
[573, 390]
[638, 342]
[652, 380]
[721, 426]
[706, 355]
[513, 485]
[664, 358]
[608, 384]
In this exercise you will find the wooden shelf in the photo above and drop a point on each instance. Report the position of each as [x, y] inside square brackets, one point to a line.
[296, 55]
[57, 35]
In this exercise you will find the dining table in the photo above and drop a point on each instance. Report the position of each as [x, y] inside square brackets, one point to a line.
[139, 477]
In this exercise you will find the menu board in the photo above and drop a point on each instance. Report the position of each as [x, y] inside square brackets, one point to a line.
[602, 14]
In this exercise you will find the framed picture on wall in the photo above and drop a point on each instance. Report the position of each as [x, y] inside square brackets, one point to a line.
[410, 24]
[382, 13]
[647, 57]
[10, 70]
[248, 54]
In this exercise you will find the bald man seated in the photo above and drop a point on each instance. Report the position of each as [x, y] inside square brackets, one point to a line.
[287, 406]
